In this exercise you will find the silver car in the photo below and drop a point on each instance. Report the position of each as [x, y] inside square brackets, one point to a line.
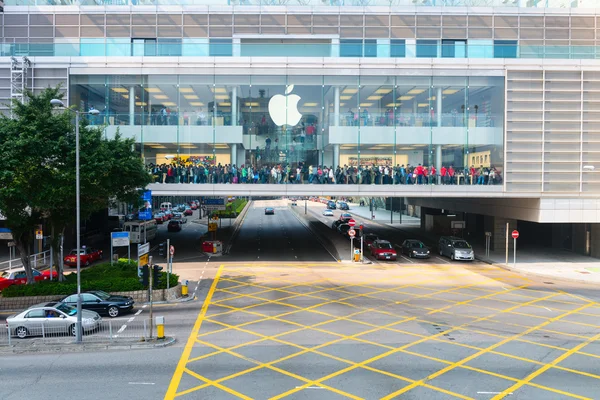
[49, 319]
[455, 248]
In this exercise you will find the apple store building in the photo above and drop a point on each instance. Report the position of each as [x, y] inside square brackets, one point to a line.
[402, 118]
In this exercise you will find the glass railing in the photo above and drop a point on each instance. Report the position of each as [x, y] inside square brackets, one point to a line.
[318, 3]
[125, 49]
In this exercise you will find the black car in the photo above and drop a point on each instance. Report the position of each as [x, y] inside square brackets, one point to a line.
[269, 211]
[101, 302]
[343, 229]
[338, 222]
[331, 205]
[415, 248]
[343, 206]
[174, 226]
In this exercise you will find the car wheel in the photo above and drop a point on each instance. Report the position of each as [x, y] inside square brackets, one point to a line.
[101, 257]
[441, 252]
[87, 263]
[73, 330]
[21, 332]
[113, 312]
[409, 254]
[452, 256]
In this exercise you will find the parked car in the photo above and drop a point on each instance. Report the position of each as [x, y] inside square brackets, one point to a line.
[188, 211]
[174, 226]
[269, 211]
[415, 248]
[368, 239]
[331, 205]
[87, 255]
[328, 213]
[56, 317]
[160, 218]
[101, 302]
[17, 276]
[383, 250]
[455, 248]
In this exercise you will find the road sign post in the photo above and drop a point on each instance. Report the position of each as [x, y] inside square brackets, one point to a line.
[351, 233]
[361, 243]
[169, 261]
[515, 235]
[119, 239]
[150, 278]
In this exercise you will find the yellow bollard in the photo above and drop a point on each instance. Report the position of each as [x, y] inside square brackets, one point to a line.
[184, 288]
[160, 327]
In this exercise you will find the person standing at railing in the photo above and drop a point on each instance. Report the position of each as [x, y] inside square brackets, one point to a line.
[433, 175]
[451, 174]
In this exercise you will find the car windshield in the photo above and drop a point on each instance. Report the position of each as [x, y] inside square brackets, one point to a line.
[385, 245]
[102, 294]
[417, 245]
[461, 244]
[66, 309]
[5, 274]
[74, 252]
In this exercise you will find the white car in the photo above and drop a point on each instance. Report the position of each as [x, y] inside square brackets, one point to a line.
[328, 213]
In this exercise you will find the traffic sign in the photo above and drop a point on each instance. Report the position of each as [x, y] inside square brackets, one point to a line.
[143, 260]
[515, 234]
[351, 233]
[39, 235]
[352, 222]
[143, 249]
[11, 244]
[119, 238]
[214, 202]
[172, 250]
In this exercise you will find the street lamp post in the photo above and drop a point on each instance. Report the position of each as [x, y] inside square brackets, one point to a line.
[59, 103]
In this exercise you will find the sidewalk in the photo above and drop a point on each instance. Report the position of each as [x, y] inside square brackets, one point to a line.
[542, 262]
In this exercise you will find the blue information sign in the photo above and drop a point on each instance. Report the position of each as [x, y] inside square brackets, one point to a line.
[145, 212]
[214, 202]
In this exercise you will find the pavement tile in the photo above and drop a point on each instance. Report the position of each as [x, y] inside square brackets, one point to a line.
[376, 318]
[391, 296]
[583, 319]
[229, 338]
[216, 309]
[502, 365]
[583, 363]
[389, 338]
[551, 339]
[419, 328]
[267, 351]
[354, 350]
[492, 304]
[570, 328]
[474, 338]
[234, 318]
[571, 299]
[569, 382]
[209, 392]
[200, 350]
[308, 337]
[595, 310]
[276, 295]
[418, 290]
[219, 366]
[242, 302]
[306, 318]
[366, 384]
[442, 350]
[554, 305]
[271, 309]
[407, 365]
[592, 348]
[311, 366]
[270, 327]
[304, 301]
[304, 289]
[538, 311]
[340, 310]
[263, 383]
[312, 393]
[468, 383]
[516, 319]
[423, 393]
[496, 328]
[527, 392]
[530, 351]
[453, 296]
[345, 327]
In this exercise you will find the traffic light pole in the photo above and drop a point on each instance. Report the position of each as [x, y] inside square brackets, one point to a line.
[150, 279]
[168, 260]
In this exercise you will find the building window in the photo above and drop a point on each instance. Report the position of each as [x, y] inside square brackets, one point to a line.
[143, 47]
[169, 47]
[505, 49]
[220, 48]
[427, 48]
[452, 48]
[370, 48]
[351, 48]
[398, 48]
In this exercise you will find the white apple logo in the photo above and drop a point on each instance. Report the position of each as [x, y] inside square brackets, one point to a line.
[284, 109]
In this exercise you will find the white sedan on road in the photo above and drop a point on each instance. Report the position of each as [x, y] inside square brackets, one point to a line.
[328, 213]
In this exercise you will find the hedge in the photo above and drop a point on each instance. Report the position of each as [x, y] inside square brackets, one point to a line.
[233, 209]
[120, 277]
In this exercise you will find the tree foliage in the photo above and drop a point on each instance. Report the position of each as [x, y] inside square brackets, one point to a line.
[37, 177]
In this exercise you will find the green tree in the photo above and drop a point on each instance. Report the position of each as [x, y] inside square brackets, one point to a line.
[37, 180]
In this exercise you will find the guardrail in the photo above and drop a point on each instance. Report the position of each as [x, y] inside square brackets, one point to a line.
[37, 260]
[54, 331]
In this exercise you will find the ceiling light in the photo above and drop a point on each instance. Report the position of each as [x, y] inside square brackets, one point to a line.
[310, 104]
[405, 98]
[374, 97]
[366, 104]
[157, 146]
[125, 96]
[169, 104]
[416, 91]
[406, 148]
[186, 90]
[450, 91]
[423, 104]
[161, 96]
[221, 97]
[196, 103]
[342, 104]
[225, 104]
[188, 146]
[393, 104]
[152, 90]
[350, 91]
[252, 104]
[345, 97]
[120, 90]
[219, 90]
[432, 98]
[141, 103]
[190, 96]
[383, 91]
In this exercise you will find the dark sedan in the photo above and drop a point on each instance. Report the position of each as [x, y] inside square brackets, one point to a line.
[415, 248]
[269, 211]
[174, 226]
[101, 302]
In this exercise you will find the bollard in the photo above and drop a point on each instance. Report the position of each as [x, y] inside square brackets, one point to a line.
[160, 327]
[184, 288]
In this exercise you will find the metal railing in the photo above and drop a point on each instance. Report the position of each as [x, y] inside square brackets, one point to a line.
[56, 331]
[37, 260]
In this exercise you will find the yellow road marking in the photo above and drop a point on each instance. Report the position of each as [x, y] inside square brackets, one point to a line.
[546, 367]
[179, 370]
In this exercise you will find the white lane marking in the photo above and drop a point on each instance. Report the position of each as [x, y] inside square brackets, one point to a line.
[139, 312]
[141, 383]
[504, 288]
[441, 259]
[131, 319]
[122, 328]
[145, 305]
[409, 260]
[547, 309]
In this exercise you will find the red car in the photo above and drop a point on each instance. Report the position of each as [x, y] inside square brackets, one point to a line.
[368, 240]
[188, 211]
[160, 218]
[18, 277]
[194, 206]
[383, 250]
[87, 256]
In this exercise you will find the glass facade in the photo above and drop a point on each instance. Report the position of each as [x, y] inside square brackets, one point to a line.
[289, 121]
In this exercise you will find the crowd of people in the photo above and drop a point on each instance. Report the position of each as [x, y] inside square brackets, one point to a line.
[304, 173]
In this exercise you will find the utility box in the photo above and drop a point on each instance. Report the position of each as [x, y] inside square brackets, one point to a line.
[207, 246]
[217, 247]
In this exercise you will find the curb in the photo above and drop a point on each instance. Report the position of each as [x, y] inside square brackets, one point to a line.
[237, 224]
[72, 347]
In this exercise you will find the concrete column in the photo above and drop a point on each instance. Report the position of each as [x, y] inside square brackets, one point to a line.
[336, 106]
[336, 155]
[498, 242]
[234, 107]
[132, 105]
[234, 154]
[438, 99]
[438, 160]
